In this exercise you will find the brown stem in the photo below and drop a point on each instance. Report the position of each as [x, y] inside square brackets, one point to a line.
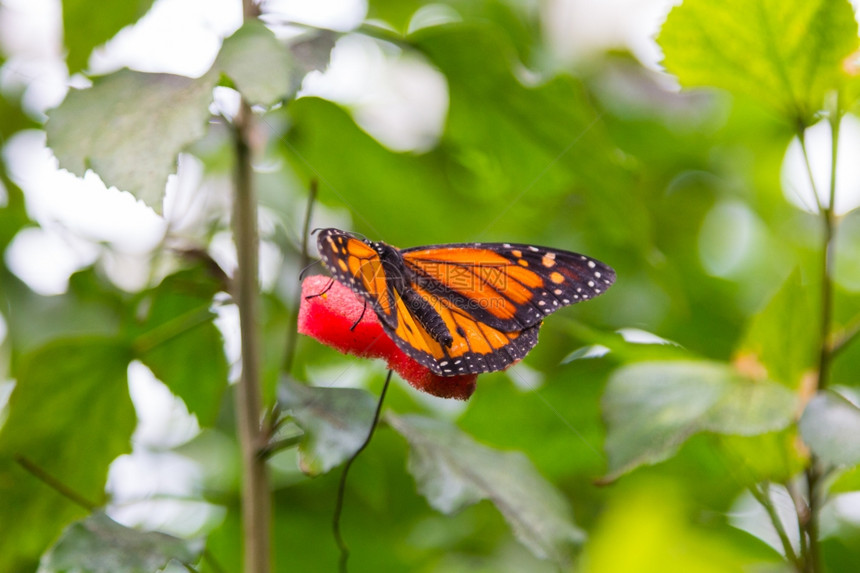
[256, 496]
[825, 357]
[813, 475]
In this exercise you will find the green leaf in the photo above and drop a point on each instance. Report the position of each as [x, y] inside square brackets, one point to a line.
[91, 306]
[508, 149]
[773, 457]
[129, 128]
[779, 337]
[275, 326]
[648, 529]
[453, 471]
[85, 28]
[260, 66]
[178, 331]
[70, 415]
[98, 544]
[651, 408]
[13, 216]
[785, 54]
[518, 21]
[625, 345]
[335, 421]
[845, 481]
[830, 425]
[397, 13]
[500, 145]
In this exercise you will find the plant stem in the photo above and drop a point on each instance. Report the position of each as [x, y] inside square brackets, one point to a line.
[825, 357]
[341, 489]
[276, 446]
[256, 496]
[292, 334]
[763, 497]
[829, 220]
[56, 484]
[273, 419]
[802, 510]
[172, 328]
[813, 562]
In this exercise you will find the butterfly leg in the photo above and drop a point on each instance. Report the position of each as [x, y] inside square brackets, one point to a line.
[323, 291]
[363, 310]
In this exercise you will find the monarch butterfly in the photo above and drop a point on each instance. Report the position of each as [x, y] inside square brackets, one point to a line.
[464, 308]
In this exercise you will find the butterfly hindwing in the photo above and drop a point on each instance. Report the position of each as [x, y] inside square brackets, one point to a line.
[475, 348]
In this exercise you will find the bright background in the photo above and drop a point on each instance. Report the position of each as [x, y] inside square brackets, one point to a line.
[707, 198]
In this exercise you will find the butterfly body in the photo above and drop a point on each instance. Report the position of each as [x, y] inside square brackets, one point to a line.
[462, 308]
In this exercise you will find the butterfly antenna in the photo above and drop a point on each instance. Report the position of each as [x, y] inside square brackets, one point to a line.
[307, 268]
[316, 230]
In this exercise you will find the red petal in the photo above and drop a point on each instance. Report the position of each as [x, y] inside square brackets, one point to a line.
[329, 317]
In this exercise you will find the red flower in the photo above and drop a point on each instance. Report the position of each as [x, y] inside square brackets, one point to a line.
[329, 317]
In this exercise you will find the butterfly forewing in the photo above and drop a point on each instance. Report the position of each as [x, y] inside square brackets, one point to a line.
[355, 264]
[508, 286]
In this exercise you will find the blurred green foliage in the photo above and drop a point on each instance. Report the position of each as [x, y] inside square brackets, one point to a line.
[679, 192]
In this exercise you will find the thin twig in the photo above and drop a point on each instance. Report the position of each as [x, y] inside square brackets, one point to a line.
[763, 497]
[55, 484]
[172, 328]
[801, 137]
[276, 446]
[273, 419]
[802, 510]
[292, 333]
[338, 508]
[213, 563]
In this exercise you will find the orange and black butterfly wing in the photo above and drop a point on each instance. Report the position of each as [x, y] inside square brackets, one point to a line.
[357, 265]
[508, 287]
[475, 346]
[491, 298]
